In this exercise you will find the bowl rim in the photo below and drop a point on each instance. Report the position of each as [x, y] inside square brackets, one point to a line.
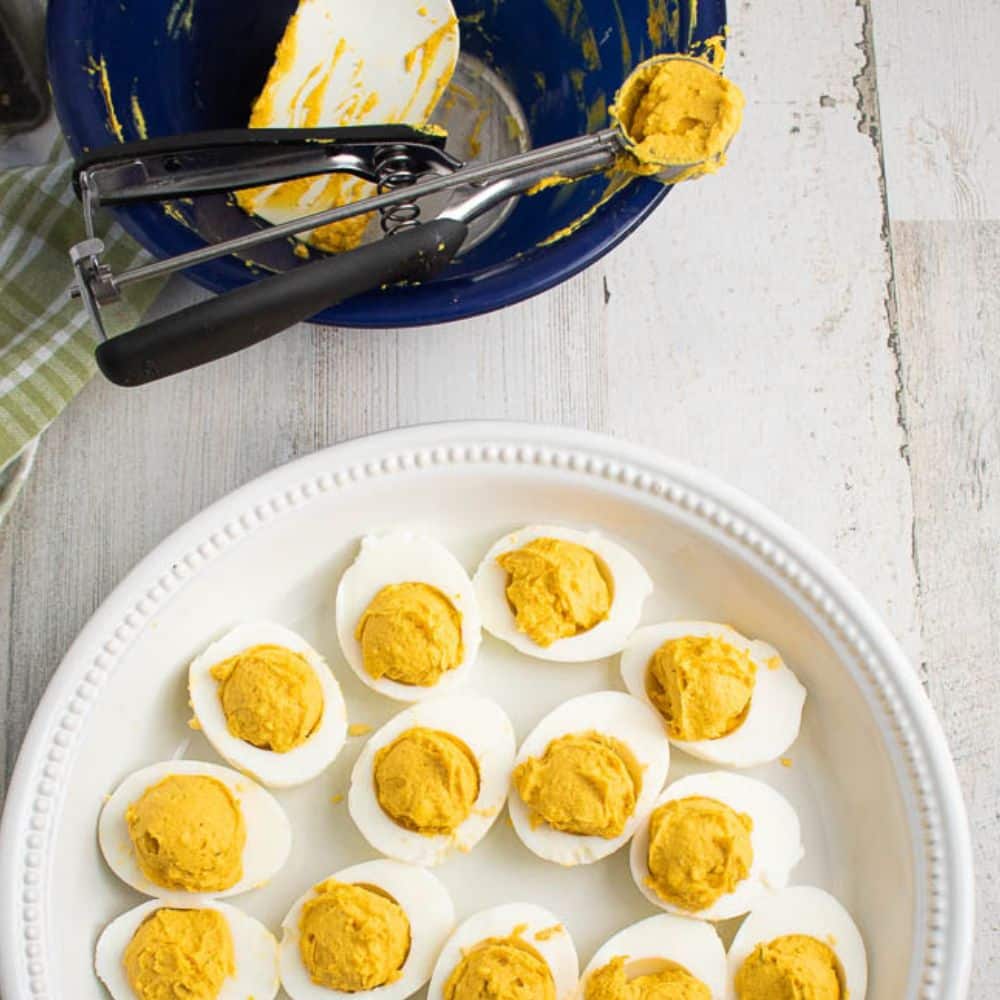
[551, 265]
[940, 966]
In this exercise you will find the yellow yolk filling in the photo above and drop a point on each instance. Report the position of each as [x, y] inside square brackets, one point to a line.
[410, 633]
[679, 112]
[501, 969]
[699, 849]
[353, 937]
[701, 685]
[556, 589]
[426, 781]
[584, 783]
[671, 982]
[180, 953]
[271, 697]
[794, 967]
[188, 833]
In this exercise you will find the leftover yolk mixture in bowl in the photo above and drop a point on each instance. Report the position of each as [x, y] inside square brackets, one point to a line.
[556, 589]
[701, 685]
[506, 968]
[584, 783]
[271, 697]
[796, 966]
[353, 937]
[188, 833]
[426, 780]
[699, 850]
[678, 111]
[671, 982]
[410, 633]
[180, 953]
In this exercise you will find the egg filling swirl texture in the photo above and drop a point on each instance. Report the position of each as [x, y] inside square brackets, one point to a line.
[188, 833]
[501, 969]
[671, 982]
[426, 780]
[410, 633]
[271, 697]
[180, 953]
[701, 685]
[793, 967]
[556, 589]
[353, 937]
[699, 850]
[584, 783]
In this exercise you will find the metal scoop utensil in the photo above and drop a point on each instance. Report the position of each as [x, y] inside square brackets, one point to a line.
[185, 166]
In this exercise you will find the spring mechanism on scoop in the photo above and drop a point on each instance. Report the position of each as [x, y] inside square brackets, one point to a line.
[394, 168]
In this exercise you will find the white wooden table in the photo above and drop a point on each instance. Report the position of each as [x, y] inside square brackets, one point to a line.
[819, 325]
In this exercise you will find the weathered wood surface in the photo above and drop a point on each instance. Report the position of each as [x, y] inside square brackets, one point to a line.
[817, 324]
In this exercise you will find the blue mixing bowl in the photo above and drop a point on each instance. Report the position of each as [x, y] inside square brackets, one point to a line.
[194, 65]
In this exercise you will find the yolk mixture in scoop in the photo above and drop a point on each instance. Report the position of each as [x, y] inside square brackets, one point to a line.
[679, 112]
[271, 697]
[427, 781]
[180, 953]
[501, 969]
[672, 982]
[353, 937]
[188, 833]
[556, 588]
[410, 633]
[701, 685]
[584, 783]
[699, 849]
[794, 967]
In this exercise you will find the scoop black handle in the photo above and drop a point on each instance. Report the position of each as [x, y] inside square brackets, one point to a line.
[245, 316]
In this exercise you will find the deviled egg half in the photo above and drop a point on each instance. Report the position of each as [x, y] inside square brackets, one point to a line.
[185, 950]
[587, 776]
[407, 617]
[517, 949]
[725, 698]
[268, 704]
[434, 778]
[557, 593]
[183, 829]
[799, 942]
[372, 928]
[661, 956]
[714, 844]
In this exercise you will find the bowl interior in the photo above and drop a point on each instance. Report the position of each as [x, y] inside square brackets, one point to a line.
[842, 779]
[166, 67]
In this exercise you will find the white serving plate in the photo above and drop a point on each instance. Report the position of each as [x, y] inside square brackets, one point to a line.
[883, 820]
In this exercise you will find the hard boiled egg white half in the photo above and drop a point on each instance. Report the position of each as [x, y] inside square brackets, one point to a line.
[427, 906]
[651, 944]
[254, 947]
[401, 557]
[630, 586]
[532, 926]
[775, 839]
[803, 910]
[268, 832]
[296, 766]
[772, 721]
[611, 714]
[478, 723]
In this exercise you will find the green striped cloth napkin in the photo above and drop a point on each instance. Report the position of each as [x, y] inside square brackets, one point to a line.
[46, 342]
